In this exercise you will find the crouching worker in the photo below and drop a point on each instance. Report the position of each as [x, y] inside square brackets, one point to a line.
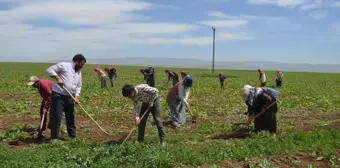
[44, 87]
[262, 103]
[102, 77]
[177, 99]
[149, 96]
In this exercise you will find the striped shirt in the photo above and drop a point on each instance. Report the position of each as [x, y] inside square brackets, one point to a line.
[146, 94]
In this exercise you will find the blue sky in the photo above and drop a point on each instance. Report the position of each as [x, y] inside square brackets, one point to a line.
[292, 31]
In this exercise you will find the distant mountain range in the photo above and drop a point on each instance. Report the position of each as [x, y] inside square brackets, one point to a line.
[196, 63]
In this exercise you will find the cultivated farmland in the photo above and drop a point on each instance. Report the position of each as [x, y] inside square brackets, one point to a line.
[308, 123]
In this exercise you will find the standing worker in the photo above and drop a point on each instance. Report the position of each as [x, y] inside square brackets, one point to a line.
[262, 78]
[68, 75]
[150, 98]
[112, 75]
[172, 75]
[150, 76]
[222, 78]
[45, 89]
[263, 102]
[279, 78]
[102, 77]
[177, 99]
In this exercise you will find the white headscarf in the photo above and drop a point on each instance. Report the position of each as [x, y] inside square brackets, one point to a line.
[250, 93]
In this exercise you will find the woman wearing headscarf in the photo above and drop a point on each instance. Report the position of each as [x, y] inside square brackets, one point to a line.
[177, 99]
[261, 102]
[263, 79]
[112, 75]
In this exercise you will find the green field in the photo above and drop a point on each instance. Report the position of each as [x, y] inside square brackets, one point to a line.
[308, 123]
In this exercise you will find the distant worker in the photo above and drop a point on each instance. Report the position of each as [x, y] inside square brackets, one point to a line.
[172, 75]
[279, 78]
[150, 76]
[102, 77]
[262, 104]
[222, 78]
[262, 78]
[112, 75]
[44, 87]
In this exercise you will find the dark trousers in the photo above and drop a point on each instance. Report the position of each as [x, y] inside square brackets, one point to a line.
[278, 83]
[60, 104]
[112, 80]
[156, 112]
[222, 85]
[266, 122]
[103, 82]
[41, 115]
[151, 82]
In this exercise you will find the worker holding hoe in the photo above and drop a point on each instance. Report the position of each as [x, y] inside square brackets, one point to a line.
[183, 74]
[177, 99]
[151, 103]
[150, 76]
[263, 80]
[102, 77]
[279, 78]
[172, 75]
[112, 75]
[262, 107]
[222, 78]
[44, 87]
[69, 80]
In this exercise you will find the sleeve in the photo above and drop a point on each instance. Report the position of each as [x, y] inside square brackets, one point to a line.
[135, 105]
[54, 70]
[78, 88]
[267, 100]
[153, 94]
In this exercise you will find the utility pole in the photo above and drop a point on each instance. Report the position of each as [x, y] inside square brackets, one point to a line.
[213, 63]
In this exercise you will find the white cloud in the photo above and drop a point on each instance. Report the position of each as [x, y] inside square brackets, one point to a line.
[221, 15]
[282, 3]
[313, 5]
[225, 23]
[113, 24]
[236, 36]
[336, 4]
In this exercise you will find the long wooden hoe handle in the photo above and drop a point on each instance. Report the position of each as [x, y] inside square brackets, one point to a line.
[135, 127]
[86, 111]
[42, 120]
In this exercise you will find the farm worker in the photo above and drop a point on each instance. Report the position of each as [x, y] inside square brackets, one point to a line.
[150, 98]
[44, 87]
[258, 100]
[279, 78]
[68, 75]
[177, 98]
[150, 76]
[144, 74]
[172, 75]
[222, 78]
[183, 74]
[262, 78]
[112, 75]
[102, 77]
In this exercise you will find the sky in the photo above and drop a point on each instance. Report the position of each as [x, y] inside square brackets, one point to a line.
[289, 31]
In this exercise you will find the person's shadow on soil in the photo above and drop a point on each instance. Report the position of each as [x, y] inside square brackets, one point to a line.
[239, 131]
